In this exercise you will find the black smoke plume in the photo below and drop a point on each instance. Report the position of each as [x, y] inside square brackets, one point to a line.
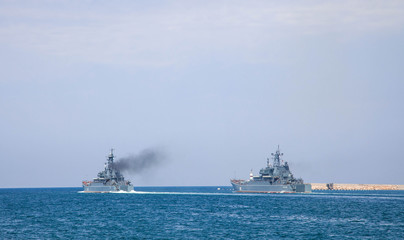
[134, 164]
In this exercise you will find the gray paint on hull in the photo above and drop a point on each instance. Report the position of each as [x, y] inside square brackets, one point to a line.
[267, 188]
[106, 188]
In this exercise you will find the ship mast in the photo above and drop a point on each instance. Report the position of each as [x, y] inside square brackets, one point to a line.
[111, 156]
[110, 163]
[276, 157]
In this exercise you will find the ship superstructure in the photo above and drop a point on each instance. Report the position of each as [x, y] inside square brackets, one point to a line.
[108, 180]
[275, 178]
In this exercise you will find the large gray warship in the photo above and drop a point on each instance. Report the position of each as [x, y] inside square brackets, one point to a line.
[275, 178]
[109, 180]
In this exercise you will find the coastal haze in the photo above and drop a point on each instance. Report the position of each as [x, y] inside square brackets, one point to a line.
[215, 86]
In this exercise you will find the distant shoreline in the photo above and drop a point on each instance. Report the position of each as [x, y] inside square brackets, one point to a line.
[354, 186]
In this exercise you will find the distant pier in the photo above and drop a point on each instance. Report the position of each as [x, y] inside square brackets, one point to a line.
[356, 187]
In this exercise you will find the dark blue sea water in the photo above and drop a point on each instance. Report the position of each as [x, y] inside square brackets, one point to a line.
[199, 213]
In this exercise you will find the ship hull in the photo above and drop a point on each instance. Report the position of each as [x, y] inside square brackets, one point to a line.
[101, 188]
[262, 187]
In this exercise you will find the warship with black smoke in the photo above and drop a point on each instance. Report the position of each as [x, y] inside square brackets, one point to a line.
[275, 178]
[108, 180]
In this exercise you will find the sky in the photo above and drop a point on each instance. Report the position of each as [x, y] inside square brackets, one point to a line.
[215, 85]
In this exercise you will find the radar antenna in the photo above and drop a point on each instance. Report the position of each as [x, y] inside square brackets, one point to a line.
[276, 157]
[111, 157]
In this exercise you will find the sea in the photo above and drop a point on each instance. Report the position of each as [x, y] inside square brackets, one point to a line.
[199, 213]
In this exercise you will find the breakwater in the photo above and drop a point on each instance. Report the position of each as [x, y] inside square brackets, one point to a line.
[356, 187]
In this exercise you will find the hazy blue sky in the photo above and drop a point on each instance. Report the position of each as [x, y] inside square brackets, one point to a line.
[216, 84]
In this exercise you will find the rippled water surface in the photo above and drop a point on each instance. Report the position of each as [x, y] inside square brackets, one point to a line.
[198, 213]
